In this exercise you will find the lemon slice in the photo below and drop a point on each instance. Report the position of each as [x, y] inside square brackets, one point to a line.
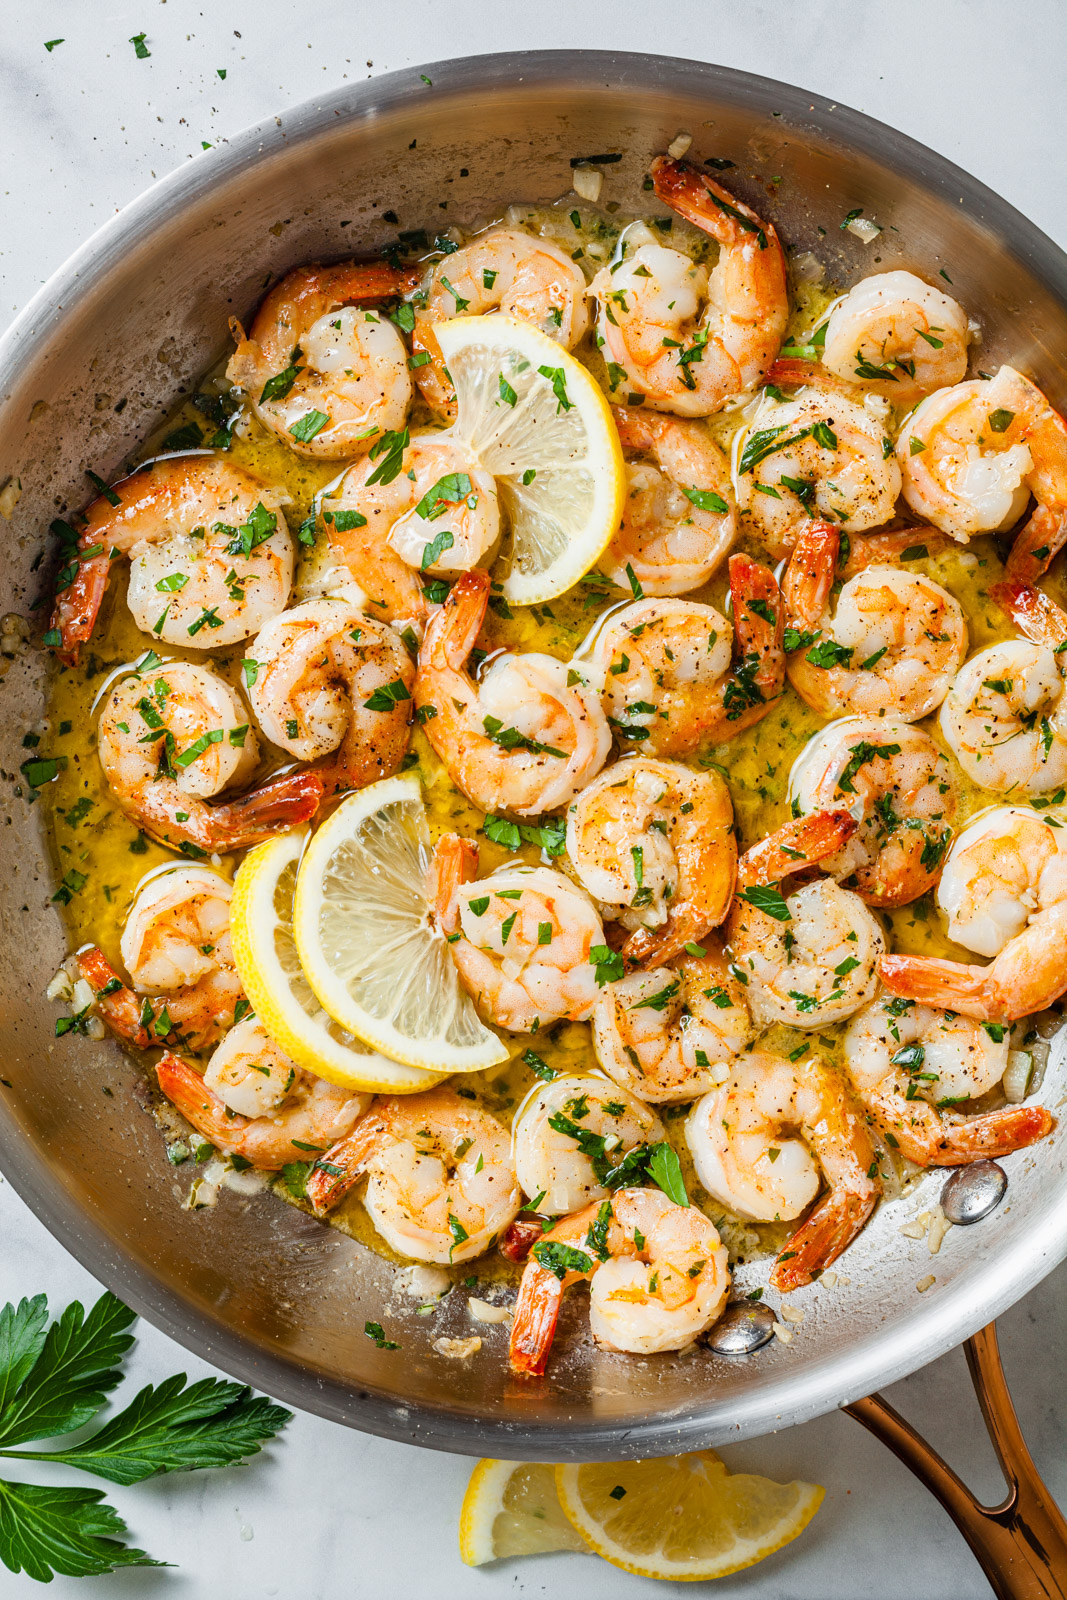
[368, 942]
[511, 1509]
[534, 418]
[683, 1517]
[261, 932]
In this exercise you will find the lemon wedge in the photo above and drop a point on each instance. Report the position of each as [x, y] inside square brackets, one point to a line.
[367, 940]
[511, 1509]
[261, 932]
[683, 1517]
[534, 418]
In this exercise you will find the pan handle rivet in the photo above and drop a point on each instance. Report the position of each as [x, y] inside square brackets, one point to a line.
[972, 1192]
[744, 1326]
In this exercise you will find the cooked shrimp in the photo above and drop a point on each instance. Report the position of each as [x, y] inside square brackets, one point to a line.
[571, 1137]
[818, 454]
[440, 512]
[526, 948]
[1004, 890]
[916, 1066]
[671, 1033]
[523, 739]
[657, 1274]
[679, 518]
[171, 737]
[442, 1185]
[334, 686]
[677, 676]
[972, 455]
[897, 336]
[210, 555]
[684, 339]
[764, 1142]
[322, 372]
[810, 959]
[898, 786]
[653, 843]
[891, 648]
[506, 271]
[253, 1101]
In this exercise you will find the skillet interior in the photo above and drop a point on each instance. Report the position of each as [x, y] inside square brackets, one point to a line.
[141, 310]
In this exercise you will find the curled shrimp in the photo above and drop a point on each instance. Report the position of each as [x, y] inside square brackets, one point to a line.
[810, 958]
[569, 1135]
[684, 339]
[897, 336]
[440, 514]
[525, 948]
[972, 455]
[1004, 891]
[766, 1141]
[441, 1183]
[657, 1275]
[333, 686]
[818, 454]
[679, 518]
[892, 646]
[916, 1066]
[253, 1101]
[315, 351]
[899, 788]
[171, 737]
[176, 948]
[677, 676]
[506, 271]
[210, 555]
[1005, 716]
[523, 739]
[653, 843]
[670, 1033]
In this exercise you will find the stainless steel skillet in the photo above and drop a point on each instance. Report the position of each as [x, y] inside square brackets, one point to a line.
[85, 371]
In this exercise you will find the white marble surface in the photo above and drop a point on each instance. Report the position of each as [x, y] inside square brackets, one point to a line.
[85, 128]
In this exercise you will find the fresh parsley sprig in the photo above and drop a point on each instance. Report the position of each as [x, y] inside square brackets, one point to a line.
[54, 1378]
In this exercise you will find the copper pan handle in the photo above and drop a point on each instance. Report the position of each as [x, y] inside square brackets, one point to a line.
[1021, 1545]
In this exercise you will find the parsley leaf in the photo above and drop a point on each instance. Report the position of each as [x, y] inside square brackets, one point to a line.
[665, 1169]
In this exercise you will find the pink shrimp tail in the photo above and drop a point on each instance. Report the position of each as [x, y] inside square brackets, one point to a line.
[536, 1315]
[708, 206]
[828, 1231]
[810, 574]
[340, 1169]
[639, 429]
[1033, 613]
[75, 609]
[974, 991]
[996, 1134]
[800, 843]
[1036, 544]
[452, 632]
[119, 1006]
[283, 803]
[187, 1090]
[455, 863]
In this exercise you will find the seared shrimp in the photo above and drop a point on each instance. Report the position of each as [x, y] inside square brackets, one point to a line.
[898, 786]
[897, 336]
[682, 338]
[657, 1274]
[916, 1066]
[810, 959]
[210, 555]
[440, 514]
[891, 648]
[502, 270]
[1005, 718]
[525, 738]
[442, 1185]
[818, 454]
[571, 1137]
[176, 948]
[670, 1033]
[171, 737]
[972, 455]
[526, 946]
[1004, 890]
[253, 1101]
[333, 686]
[322, 372]
[677, 676]
[679, 518]
[764, 1142]
[653, 843]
